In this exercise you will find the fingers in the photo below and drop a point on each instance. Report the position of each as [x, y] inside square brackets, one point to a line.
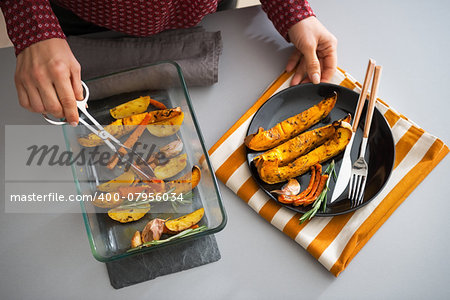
[296, 62]
[34, 98]
[294, 59]
[300, 73]
[68, 87]
[307, 80]
[312, 63]
[23, 97]
[51, 93]
[314, 66]
[318, 50]
[48, 79]
[329, 64]
[27, 93]
[50, 100]
[67, 99]
[76, 81]
[42, 93]
[296, 79]
[327, 74]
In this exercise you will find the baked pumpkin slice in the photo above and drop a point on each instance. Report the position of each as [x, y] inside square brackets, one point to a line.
[124, 126]
[130, 108]
[185, 183]
[301, 144]
[287, 129]
[271, 172]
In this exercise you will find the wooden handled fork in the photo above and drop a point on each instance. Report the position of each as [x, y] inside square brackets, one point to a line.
[358, 177]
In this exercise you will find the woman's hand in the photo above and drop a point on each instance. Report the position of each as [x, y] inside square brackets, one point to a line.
[315, 59]
[48, 79]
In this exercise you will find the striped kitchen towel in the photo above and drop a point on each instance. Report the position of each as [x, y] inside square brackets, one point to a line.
[333, 241]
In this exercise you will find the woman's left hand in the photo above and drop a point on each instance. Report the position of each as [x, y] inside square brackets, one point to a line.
[315, 58]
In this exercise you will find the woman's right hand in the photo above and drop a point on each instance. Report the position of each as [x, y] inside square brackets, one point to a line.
[48, 79]
[315, 59]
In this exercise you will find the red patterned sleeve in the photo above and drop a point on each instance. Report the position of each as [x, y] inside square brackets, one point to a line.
[30, 21]
[286, 13]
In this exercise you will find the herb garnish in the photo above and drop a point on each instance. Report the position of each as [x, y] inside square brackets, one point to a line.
[184, 233]
[321, 201]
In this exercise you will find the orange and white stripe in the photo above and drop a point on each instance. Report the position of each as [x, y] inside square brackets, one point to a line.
[333, 241]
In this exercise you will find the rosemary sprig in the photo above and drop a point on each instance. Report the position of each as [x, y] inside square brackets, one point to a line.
[184, 233]
[188, 195]
[321, 201]
[187, 199]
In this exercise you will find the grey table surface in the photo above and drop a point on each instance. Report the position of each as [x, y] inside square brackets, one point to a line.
[47, 256]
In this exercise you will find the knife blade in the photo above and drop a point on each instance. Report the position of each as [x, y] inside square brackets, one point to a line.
[344, 172]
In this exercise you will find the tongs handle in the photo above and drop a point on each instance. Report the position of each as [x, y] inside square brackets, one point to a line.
[99, 130]
[81, 106]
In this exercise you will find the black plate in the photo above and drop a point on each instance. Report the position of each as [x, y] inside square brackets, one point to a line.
[380, 148]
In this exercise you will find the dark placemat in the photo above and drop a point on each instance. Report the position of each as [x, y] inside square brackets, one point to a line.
[167, 260]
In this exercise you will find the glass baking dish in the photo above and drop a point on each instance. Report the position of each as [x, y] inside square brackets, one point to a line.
[109, 240]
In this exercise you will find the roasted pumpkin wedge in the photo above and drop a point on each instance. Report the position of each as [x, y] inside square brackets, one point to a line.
[185, 183]
[160, 115]
[271, 172]
[287, 129]
[124, 126]
[125, 215]
[172, 167]
[130, 108]
[186, 221]
[167, 127]
[124, 180]
[299, 145]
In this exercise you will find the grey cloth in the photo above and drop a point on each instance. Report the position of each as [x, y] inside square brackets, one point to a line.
[167, 260]
[195, 50]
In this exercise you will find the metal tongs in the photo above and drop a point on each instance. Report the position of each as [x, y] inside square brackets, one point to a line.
[140, 166]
